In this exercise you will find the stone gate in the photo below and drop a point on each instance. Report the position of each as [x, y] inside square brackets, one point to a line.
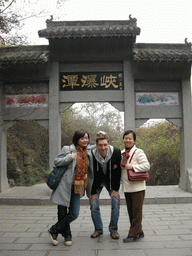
[96, 61]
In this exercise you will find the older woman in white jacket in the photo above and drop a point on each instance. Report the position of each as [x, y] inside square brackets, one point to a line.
[134, 190]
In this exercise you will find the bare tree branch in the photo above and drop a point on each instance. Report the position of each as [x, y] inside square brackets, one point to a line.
[8, 6]
[31, 16]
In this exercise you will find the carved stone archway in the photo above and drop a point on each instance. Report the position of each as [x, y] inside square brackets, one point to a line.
[102, 48]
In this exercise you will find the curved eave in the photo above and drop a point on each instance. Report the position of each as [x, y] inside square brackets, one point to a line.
[162, 55]
[67, 36]
[18, 55]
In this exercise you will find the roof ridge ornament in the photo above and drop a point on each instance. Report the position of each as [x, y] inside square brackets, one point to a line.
[186, 42]
[132, 19]
[49, 20]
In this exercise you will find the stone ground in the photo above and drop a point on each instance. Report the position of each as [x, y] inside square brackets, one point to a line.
[167, 224]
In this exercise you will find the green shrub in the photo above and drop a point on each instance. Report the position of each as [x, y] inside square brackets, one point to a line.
[161, 144]
[27, 139]
[31, 176]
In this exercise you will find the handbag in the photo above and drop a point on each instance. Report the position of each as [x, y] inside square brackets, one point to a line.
[136, 176]
[55, 177]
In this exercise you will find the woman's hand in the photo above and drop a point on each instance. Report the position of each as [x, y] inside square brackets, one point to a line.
[74, 155]
[128, 166]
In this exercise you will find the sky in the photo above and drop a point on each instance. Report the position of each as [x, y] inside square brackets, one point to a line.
[162, 21]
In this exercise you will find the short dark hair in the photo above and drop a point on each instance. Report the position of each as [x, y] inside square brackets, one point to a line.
[102, 136]
[79, 134]
[128, 132]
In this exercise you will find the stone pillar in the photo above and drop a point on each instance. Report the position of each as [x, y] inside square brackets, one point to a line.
[3, 148]
[186, 139]
[129, 97]
[54, 115]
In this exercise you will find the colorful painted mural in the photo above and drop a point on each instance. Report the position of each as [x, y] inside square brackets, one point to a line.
[157, 99]
[26, 100]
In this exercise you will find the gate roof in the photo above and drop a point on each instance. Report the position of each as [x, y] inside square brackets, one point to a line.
[73, 29]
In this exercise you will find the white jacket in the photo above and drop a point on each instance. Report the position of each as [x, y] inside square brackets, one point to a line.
[140, 164]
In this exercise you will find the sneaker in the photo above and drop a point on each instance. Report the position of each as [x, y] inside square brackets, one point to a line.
[68, 241]
[114, 235]
[96, 234]
[53, 237]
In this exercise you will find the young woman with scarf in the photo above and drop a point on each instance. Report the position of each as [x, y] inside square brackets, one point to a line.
[72, 185]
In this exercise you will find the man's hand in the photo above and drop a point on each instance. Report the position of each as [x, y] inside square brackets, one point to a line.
[93, 197]
[115, 194]
[101, 132]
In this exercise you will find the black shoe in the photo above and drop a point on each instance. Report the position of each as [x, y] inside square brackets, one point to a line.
[53, 237]
[130, 239]
[141, 235]
[68, 240]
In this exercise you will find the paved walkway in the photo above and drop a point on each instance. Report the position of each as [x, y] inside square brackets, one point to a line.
[167, 228]
[26, 214]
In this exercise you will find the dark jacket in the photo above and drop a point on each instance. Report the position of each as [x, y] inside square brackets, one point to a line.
[113, 173]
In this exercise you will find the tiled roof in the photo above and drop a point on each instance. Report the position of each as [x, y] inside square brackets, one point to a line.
[24, 54]
[69, 29]
[141, 52]
[162, 52]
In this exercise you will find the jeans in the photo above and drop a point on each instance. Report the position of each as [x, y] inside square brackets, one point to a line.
[66, 215]
[96, 215]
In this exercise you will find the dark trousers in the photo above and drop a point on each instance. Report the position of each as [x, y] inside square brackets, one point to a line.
[66, 215]
[134, 203]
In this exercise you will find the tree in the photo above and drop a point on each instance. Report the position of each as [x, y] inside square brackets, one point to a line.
[92, 117]
[14, 14]
[161, 144]
[27, 153]
[7, 19]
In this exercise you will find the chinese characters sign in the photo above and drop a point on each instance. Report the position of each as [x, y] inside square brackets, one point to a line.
[91, 81]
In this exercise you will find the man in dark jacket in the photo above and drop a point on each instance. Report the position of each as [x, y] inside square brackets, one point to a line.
[105, 164]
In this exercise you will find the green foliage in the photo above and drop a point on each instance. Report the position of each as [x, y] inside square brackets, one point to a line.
[31, 176]
[28, 139]
[161, 144]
